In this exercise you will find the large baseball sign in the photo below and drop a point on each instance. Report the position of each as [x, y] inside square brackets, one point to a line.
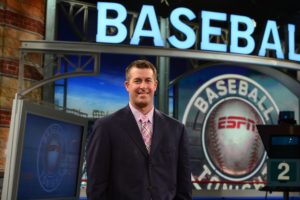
[221, 119]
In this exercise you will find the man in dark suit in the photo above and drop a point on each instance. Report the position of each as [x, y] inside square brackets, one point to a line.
[138, 153]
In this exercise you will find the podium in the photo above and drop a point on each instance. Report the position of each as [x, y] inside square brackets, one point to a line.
[282, 143]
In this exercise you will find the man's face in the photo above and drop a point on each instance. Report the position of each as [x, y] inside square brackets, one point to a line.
[141, 86]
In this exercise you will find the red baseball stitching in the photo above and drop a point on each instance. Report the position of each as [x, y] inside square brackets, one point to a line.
[256, 144]
[215, 141]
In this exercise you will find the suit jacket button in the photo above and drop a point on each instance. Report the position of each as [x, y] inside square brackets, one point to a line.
[149, 188]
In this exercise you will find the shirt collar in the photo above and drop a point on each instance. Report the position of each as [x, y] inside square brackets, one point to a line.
[139, 115]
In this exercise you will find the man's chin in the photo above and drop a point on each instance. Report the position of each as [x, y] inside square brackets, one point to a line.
[142, 104]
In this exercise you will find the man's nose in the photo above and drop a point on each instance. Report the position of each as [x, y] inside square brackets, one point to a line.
[143, 84]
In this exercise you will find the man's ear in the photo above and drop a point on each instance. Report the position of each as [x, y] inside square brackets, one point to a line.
[156, 84]
[126, 84]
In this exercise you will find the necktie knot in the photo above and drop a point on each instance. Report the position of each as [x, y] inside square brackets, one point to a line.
[144, 119]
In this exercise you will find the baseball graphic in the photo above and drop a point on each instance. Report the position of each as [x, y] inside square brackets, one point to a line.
[232, 141]
[51, 158]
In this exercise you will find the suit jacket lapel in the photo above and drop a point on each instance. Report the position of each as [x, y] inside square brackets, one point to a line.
[132, 129]
[157, 131]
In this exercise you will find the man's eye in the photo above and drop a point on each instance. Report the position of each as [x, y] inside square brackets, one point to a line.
[149, 80]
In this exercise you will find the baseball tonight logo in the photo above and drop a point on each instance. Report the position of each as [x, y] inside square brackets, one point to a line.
[51, 166]
[221, 120]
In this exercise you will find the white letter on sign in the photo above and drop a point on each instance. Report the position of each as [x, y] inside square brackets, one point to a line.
[237, 34]
[154, 32]
[185, 29]
[104, 22]
[208, 30]
[271, 29]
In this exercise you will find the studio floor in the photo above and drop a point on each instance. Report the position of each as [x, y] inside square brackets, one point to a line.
[231, 195]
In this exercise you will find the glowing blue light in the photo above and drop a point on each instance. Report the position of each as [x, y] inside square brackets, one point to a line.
[147, 11]
[271, 29]
[237, 34]
[292, 55]
[208, 30]
[182, 27]
[104, 23]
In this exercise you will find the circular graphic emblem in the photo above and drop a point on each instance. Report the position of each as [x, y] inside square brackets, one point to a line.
[51, 158]
[221, 120]
[231, 142]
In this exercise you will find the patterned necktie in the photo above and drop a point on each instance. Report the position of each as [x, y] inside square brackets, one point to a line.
[146, 132]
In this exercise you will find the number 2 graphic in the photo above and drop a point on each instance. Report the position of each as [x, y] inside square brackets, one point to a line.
[285, 170]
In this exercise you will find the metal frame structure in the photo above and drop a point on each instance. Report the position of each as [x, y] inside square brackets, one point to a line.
[60, 50]
[57, 57]
[43, 46]
[72, 9]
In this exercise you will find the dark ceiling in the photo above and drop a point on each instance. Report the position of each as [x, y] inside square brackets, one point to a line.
[283, 12]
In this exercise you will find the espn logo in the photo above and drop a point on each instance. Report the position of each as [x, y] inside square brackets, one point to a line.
[236, 122]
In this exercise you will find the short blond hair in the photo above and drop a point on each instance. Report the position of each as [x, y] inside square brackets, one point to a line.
[141, 64]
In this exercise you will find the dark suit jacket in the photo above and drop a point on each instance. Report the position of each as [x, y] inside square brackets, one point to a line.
[120, 168]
